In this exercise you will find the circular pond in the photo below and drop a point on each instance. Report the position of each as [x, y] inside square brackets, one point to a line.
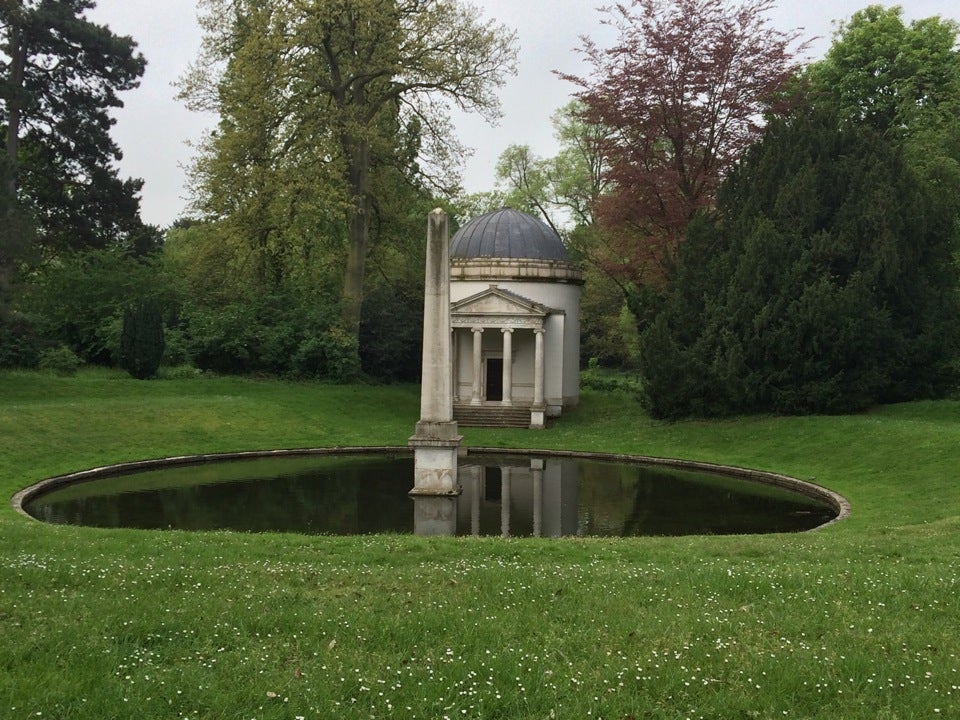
[503, 493]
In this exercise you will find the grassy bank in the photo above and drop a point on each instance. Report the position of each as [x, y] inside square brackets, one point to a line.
[856, 621]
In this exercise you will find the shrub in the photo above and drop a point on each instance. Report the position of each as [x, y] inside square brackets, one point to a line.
[19, 342]
[331, 355]
[60, 360]
[141, 341]
[80, 299]
[391, 332]
[176, 351]
[596, 378]
[272, 335]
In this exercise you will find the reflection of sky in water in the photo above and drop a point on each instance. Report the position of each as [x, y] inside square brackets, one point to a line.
[510, 494]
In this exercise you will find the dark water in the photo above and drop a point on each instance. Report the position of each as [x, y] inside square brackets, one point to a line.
[502, 495]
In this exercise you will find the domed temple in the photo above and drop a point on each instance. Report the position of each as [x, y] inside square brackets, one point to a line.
[515, 316]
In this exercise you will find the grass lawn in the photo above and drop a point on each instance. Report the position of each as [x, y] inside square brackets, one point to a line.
[858, 620]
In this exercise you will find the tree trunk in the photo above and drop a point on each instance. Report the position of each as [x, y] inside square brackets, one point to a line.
[17, 50]
[359, 230]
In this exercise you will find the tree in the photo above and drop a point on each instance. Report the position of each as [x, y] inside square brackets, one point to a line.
[683, 92]
[899, 78]
[60, 75]
[338, 90]
[16, 237]
[141, 339]
[79, 300]
[903, 80]
[824, 282]
[564, 189]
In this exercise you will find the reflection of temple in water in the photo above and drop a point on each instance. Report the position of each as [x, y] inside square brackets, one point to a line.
[515, 497]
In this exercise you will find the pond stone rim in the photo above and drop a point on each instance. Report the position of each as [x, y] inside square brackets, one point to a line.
[839, 504]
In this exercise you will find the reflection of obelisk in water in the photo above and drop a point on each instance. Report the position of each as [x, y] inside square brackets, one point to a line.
[435, 440]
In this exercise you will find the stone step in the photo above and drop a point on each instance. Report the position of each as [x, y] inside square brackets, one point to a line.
[491, 416]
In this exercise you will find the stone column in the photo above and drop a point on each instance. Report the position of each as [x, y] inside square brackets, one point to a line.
[505, 475]
[478, 472]
[536, 470]
[454, 365]
[507, 366]
[436, 396]
[538, 410]
[476, 398]
[435, 440]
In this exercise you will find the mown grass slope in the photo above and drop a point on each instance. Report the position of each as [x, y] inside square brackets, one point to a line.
[855, 621]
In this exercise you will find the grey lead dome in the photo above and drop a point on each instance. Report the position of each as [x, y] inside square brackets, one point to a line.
[507, 233]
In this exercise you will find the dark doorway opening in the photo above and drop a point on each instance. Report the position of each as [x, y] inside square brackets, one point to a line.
[494, 378]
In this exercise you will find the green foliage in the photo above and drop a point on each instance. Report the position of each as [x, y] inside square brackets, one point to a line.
[275, 334]
[596, 378]
[141, 341]
[176, 350]
[608, 329]
[79, 300]
[323, 104]
[330, 355]
[20, 343]
[562, 189]
[825, 283]
[391, 333]
[896, 77]
[61, 361]
[17, 244]
[904, 80]
[60, 76]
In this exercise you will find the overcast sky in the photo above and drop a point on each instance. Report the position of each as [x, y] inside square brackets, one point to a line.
[154, 129]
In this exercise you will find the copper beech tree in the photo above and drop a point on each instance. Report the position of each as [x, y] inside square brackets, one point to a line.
[682, 92]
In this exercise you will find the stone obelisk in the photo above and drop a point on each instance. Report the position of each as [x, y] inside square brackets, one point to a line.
[435, 441]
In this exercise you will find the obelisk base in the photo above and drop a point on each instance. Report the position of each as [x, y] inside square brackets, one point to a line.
[435, 449]
[435, 515]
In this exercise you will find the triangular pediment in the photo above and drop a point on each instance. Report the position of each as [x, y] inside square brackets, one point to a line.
[497, 302]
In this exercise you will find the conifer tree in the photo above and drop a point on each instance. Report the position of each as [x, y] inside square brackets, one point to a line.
[141, 342]
[60, 76]
[824, 282]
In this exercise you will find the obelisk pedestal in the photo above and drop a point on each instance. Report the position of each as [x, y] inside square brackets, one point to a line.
[435, 441]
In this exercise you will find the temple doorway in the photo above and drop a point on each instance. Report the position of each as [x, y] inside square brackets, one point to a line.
[495, 379]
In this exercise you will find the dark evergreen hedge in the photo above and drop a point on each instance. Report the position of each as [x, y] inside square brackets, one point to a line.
[823, 283]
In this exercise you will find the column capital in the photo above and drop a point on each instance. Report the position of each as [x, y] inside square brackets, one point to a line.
[506, 330]
[476, 329]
